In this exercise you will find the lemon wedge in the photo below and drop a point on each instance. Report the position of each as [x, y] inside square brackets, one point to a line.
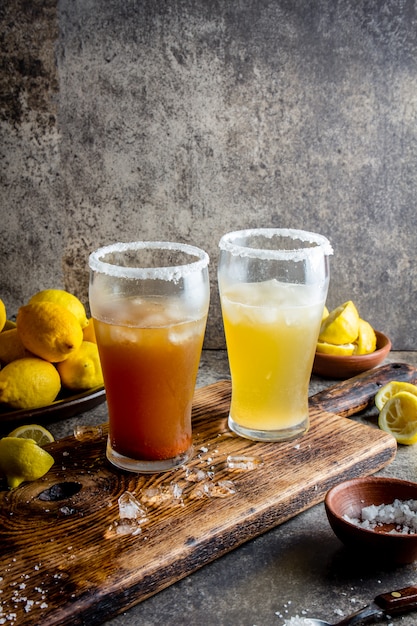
[38, 433]
[399, 417]
[391, 389]
[23, 460]
[345, 349]
[366, 340]
[341, 326]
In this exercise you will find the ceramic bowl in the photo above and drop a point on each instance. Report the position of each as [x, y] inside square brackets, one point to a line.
[330, 366]
[349, 497]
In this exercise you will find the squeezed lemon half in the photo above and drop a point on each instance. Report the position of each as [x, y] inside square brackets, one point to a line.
[391, 389]
[398, 417]
[341, 326]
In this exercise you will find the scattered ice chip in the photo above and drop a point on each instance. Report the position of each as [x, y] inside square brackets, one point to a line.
[195, 475]
[154, 496]
[242, 462]
[221, 489]
[130, 508]
[88, 433]
[127, 527]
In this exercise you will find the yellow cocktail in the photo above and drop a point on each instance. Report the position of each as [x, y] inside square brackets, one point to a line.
[271, 330]
[273, 286]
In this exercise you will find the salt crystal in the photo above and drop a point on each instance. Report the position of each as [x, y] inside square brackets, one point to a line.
[242, 462]
[88, 433]
[402, 514]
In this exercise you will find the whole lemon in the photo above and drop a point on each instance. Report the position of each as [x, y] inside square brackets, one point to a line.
[23, 460]
[49, 330]
[82, 369]
[29, 383]
[3, 316]
[11, 346]
[65, 299]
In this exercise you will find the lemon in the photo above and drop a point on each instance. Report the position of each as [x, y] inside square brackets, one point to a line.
[3, 316]
[88, 331]
[82, 370]
[390, 389]
[65, 299]
[325, 313]
[49, 330]
[29, 383]
[11, 346]
[366, 340]
[341, 326]
[37, 433]
[345, 349]
[23, 460]
[398, 416]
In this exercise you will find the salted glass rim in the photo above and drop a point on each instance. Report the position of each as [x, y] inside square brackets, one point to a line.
[228, 243]
[168, 272]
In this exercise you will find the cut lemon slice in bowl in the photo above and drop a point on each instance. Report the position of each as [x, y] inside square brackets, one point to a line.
[399, 417]
[391, 389]
[341, 326]
[345, 349]
[38, 433]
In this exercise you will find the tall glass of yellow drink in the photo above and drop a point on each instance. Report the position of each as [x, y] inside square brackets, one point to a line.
[149, 302]
[273, 285]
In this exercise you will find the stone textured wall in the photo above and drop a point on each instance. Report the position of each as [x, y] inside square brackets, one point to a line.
[185, 119]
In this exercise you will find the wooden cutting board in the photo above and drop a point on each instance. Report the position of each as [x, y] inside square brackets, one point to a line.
[64, 557]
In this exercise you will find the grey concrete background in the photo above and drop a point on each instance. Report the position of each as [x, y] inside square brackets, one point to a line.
[185, 119]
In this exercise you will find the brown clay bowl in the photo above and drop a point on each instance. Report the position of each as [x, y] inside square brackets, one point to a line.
[349, 497]
[330, 366]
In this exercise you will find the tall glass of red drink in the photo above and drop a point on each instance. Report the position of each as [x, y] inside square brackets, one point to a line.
[149, 302]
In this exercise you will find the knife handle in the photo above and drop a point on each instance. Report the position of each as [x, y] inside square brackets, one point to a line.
[357, 393]
[398, 601]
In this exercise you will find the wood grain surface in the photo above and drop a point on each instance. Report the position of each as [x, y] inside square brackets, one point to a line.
[65, 560]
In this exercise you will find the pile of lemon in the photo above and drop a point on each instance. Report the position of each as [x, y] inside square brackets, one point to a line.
[344, 333]
[51, 345]
[397, 405]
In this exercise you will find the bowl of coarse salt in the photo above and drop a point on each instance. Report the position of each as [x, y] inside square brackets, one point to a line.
[376, 516]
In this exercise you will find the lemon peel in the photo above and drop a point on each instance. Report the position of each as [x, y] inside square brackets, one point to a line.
[391, 389]
[82, 369]
[341, 326]
[49, 330]
[36, 432]
[65, 299]
[398, 417]
[23, 460]
[29, 383]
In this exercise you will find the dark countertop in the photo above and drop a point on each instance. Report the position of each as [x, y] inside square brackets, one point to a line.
[298, 568]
